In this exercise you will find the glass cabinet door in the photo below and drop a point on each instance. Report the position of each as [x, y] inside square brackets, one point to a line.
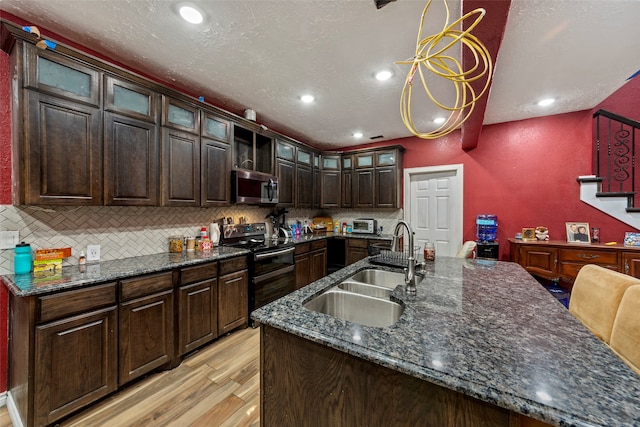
[180, 115]
[54, 74]
[130, 99]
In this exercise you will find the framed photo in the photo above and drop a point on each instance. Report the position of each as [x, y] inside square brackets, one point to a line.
[578, 232]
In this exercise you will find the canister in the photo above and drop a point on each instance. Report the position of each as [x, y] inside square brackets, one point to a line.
[22, 261]
[176, 244]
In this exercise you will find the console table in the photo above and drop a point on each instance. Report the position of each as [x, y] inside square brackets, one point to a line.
[560, 261]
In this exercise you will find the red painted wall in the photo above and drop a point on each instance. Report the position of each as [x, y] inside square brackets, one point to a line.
[624, 101]
[525, 172]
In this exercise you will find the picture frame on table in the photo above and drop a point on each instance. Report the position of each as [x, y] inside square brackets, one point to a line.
[578, 232]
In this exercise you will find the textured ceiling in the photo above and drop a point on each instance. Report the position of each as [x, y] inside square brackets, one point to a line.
[264, 54]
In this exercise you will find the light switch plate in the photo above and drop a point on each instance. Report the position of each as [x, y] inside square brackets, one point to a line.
[9, 239]
[93, 252]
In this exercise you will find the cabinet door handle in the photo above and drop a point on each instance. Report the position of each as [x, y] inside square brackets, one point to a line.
[626, 267]
[588, 256]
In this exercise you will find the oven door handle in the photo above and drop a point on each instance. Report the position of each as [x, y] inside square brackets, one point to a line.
[274, 254]
[273, 274]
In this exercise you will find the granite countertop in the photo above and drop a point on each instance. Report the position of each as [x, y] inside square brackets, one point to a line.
[486, 329]
[74, 276]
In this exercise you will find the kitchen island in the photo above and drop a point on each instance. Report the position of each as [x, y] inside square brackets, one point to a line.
[482, 343]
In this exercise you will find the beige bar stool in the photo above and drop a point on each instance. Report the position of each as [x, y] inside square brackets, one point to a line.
[625, 336]
[595, 298]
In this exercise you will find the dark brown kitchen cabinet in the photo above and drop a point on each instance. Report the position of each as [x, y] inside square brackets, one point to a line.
[61, 155]
[233, 295]
[303, 268]
[304, 186]
[357, 249]
[180, 168]
[180, 115]
[347, 189]
[129, 99]
[388, 177]
[317, 191]
[63, 352]
[252, 149]
[145, 325]
[363, 193]
[197, 306]
[386, 188]
[286, 172]
[215, 162]
[310, 262]
[132, 157]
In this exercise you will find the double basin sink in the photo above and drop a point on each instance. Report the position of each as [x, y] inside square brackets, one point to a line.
[363, 298]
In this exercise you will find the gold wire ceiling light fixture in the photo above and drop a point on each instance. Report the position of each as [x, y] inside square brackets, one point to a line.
[431, 57]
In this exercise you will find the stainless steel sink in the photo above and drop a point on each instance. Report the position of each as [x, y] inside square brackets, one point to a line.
[365, 289]
[387, 279]
[357, 308]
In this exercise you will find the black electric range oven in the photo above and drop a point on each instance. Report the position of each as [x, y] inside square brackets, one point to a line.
[271, 263]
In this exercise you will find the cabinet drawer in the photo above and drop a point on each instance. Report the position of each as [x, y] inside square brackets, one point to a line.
[569, 270]
[145, 285]
[302, 248]
[198, 273]
[588, 256]
[232, 265]
[318, 244]
[68, 303]
[358, 243]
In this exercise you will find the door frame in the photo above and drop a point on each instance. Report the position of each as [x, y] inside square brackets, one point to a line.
[458, 170]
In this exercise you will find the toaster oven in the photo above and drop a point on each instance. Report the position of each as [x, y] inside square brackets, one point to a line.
[365, 226]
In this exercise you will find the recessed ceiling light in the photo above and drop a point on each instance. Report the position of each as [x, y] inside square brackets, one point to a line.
[191, 14]
[357, 134]
[439, 120]
[383, 75]
[546, 102]
[307, 98]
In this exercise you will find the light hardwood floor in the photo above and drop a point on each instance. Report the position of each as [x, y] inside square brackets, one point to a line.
[216, 386]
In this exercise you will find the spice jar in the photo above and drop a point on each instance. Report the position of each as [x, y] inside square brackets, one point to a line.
[176, 244]
[429, 251]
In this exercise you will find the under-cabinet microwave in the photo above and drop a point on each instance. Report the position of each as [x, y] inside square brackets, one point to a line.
[251, 187]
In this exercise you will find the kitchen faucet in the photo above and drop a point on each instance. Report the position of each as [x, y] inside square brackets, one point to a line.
[410, 271]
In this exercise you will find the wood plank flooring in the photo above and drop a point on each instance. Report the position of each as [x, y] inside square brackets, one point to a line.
[216, 386]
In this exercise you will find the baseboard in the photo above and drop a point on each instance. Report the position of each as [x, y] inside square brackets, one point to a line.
[16, 420]
[3, 398]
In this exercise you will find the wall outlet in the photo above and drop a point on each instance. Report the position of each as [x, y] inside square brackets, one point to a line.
[9, 239]
[93, 252]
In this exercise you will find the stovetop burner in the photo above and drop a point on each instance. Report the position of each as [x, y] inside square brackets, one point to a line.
[251, 236]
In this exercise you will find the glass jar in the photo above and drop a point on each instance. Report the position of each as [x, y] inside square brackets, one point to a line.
[429, 251]
[176, 244]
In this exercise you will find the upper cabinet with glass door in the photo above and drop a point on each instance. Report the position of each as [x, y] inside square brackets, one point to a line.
[130, 99]
[48, 72]
[180, 115]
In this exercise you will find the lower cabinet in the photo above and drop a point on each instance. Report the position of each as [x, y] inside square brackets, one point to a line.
[197, 306]
[357, 249]
[561, 261]
[75, 332]
[233, 302]
[311, 262]
[71, 348]
[146, 325]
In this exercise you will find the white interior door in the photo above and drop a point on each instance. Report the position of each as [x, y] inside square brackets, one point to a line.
[433, 206]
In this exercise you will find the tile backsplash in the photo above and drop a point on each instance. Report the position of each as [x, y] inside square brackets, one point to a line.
[125, 231]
